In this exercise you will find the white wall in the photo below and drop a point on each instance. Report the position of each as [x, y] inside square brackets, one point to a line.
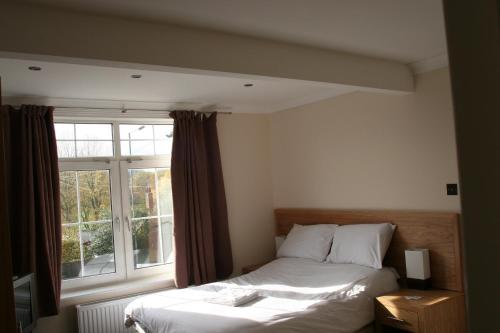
[368, 150]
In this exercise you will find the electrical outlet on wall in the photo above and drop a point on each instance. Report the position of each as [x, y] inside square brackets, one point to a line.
[452, 189]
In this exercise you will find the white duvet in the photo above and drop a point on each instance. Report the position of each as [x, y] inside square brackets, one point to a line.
[295, 295]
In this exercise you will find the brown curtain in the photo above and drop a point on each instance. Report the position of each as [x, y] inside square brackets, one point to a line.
[202, 244]
[33, 199]
[6, 289]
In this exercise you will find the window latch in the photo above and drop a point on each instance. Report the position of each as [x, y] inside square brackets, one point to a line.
[130, 159]
[105, 160]
[128, 222]
[117, 223]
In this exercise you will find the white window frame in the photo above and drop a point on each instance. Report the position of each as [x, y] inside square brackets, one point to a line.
[118, 165]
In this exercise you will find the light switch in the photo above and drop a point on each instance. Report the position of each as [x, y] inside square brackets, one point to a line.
[452, 189]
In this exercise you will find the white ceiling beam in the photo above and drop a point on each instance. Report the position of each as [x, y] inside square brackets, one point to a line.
[35, 30]
[430, 64]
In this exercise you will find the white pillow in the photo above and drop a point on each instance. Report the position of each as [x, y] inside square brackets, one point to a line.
[311, 242]
[362, 244]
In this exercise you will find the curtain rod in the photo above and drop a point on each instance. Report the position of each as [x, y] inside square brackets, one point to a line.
[125, 110]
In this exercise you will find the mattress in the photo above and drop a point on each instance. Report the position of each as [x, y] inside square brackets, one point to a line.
[295, 295]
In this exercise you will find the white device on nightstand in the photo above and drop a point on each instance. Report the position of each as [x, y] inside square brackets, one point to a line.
[418, 269]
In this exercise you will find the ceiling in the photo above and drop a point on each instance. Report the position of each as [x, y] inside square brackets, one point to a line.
[103, 84]
[401, 30]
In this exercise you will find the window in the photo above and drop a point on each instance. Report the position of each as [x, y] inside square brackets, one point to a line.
[116, 200]
[84, 140]
[145, 139]
[151, 215]
[87, 223]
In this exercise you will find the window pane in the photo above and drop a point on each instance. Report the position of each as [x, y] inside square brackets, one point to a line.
[92, 140]
[68, 193]
[165, 192]
[145, 140]
[151, 194]
[94, 132]
[167, 239]
[125, 148]
[86, 196]
[71, 260]
[66, 149]
[146, 240]
[142, 147]
[98, 251]
[65, 131]
[94, 148]
[163, 132]
[134, 132]
[142, 189]
[137, 148]
[95, 195]
[163, 147]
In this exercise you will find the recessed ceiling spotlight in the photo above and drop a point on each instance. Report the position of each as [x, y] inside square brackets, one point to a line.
[35, 68]
[248, 85]
[136, 76]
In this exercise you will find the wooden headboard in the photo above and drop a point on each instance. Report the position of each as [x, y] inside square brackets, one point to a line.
[438, 232]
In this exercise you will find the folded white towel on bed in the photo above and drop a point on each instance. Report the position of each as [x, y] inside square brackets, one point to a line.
[233, 297]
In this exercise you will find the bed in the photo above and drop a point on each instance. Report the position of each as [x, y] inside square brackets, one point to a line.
[294, 294]
[302, 295]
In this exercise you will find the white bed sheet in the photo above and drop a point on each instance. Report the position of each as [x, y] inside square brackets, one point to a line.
[296, 295]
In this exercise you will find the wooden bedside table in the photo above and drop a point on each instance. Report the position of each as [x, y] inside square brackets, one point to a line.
[437, 311]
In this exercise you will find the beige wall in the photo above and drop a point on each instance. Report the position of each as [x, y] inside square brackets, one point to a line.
[368, 150]
[244, 145]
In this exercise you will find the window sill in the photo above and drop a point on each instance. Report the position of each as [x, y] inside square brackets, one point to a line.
[116, 290]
